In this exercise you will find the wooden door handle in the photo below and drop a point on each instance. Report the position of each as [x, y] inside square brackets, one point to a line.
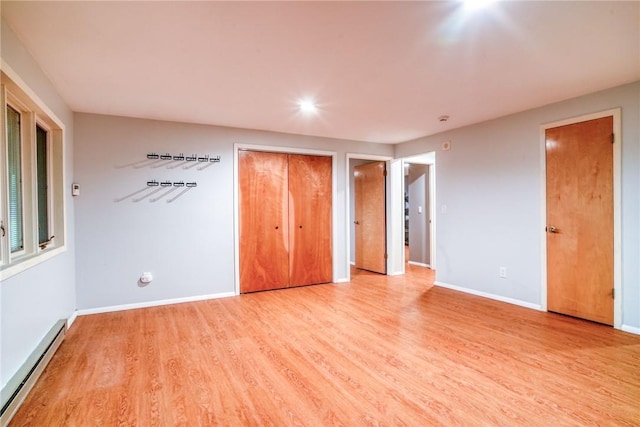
[552, 229]
[356, 222]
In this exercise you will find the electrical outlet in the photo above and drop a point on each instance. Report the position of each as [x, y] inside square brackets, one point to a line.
[503, 272]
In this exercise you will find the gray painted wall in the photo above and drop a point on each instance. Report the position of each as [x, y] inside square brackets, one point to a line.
[32, 301]
[188, 244]
[491, 184]
[418, 187]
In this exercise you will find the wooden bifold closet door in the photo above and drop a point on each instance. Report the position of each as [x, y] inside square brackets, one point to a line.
[285, 220]
[264, 229]
[309, 220]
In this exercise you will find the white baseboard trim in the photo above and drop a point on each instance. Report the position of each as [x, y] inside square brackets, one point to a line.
[71, 319]
[342, 280]
[112, 308]
[396, 273]
[352, 262]
[419, 264]
[630, 329]
[490, 296]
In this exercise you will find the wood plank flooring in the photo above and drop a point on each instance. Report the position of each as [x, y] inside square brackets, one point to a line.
[392, 351]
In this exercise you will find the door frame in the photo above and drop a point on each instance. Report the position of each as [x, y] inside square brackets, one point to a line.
[392, 254]
[617, 206]
[236, 200]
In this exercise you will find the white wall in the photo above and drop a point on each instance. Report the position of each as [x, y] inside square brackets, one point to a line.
[32, 301]
[188, 244]
[490, 182]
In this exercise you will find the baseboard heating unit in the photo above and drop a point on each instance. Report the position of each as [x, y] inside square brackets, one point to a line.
[14, 393]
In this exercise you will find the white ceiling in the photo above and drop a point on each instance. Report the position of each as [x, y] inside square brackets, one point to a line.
[380, 71]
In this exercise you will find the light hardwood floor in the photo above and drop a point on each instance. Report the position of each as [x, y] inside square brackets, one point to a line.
[380, 350]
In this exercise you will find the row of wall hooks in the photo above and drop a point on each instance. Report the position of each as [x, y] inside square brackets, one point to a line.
[170, 161]
[160, 190]
[154, 183]
[181, 157]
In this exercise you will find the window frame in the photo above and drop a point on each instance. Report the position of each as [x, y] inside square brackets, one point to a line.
[34, 113]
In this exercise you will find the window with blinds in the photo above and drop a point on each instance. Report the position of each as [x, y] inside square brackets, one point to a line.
[14, 166]
[32, 217]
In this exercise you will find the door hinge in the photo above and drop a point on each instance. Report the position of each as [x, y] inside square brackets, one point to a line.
[613, 293]
[613, 138]
[384, 172]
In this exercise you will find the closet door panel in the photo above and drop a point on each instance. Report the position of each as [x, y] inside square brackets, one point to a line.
[264, 232]
[310, 252]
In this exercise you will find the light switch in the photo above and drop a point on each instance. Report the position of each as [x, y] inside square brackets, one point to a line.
[419, 209]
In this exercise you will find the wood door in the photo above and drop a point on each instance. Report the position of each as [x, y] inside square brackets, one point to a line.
[264, 231]
[310, 202]
[580, 219]
[371, 217]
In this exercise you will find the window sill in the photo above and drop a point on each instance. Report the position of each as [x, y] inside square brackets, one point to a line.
[28, 262]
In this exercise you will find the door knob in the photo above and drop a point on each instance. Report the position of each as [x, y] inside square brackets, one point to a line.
[552, 229]
[356, 222]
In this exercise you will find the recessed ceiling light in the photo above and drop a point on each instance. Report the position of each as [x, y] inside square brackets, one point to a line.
[307, 106]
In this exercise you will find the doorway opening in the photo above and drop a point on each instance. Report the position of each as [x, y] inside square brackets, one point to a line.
[419, 209]
[368, 213]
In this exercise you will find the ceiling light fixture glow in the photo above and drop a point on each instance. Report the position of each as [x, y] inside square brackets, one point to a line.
[477, 4]
[307, 106]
